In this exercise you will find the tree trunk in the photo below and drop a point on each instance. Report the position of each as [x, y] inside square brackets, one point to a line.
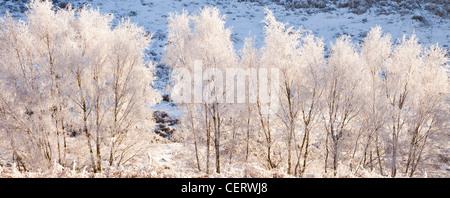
[305, 156]
[195, 141]
[379, 156]
[217, 128]
[85, 120]
[326, 154]
[335, 156]
[196, 155]
[248, 139]
[208, 138]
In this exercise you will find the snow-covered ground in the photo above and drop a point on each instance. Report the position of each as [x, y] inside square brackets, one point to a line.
[245, 18]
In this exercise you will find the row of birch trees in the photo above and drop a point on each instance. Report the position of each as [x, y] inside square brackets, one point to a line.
[380, 105]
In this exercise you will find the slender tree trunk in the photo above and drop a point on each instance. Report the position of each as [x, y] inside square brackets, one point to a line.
[335, 156]
[326, 154]
[297, 166]
[63, 129]
[97, 141]
[267, 135]
[233, 144]
[305, 156]
[355, 149]
[85, 120]
[195, 141]
[88, 138]
[196, 155]
[208, 138]
[394, 159]
[248, 138]
[216, 119]
[64, 140]
[366, 148]
[57, 136]
[291, 125]
[299, 156]
[289, 154]
[378, 154]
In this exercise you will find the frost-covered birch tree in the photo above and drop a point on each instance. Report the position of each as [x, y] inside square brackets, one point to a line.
[56, 81]
[375, 51]
[281, 50]
[429, 109]
[310, 89]
[399, 83]
[210, 48]
[343, 97]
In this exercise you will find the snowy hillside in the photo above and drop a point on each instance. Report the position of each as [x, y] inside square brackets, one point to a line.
[328, 21]
[245, 19]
